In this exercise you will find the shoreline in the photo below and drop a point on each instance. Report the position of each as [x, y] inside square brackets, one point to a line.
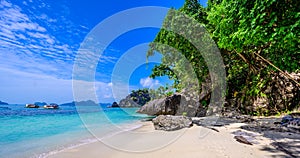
[92, 139]
[189, 142]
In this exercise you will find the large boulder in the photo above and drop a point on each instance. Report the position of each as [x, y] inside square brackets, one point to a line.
[177, 104]
[163, 106]
[171, 123]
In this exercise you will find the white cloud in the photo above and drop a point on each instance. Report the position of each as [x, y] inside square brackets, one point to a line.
[5, 4]
[26, 45]
[38, 64]
[149, 82]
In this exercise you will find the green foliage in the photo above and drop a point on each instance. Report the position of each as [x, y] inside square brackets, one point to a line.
[270, 28]
[179, 54]
[244, 30]
[162, 91]
[140, 96]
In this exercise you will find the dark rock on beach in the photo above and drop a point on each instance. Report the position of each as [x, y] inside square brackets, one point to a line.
[171, 123]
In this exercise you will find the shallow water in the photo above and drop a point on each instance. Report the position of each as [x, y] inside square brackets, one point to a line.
[37, 132]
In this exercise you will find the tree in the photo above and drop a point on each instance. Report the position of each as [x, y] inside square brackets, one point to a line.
[256, 39]
[179, 54]
[252, 35]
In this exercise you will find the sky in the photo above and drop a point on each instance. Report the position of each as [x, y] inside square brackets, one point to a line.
[40, 42]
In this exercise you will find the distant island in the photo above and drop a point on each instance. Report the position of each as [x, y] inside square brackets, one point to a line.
[3, 103]
[80, 103]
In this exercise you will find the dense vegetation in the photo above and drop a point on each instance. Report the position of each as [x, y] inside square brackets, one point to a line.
[257, 40]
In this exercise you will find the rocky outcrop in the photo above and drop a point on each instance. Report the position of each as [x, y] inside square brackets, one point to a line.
[128, 102]
[189, 102]
[163, 106]
[171, 123]
[281, 94]
[177, 104]
[136, 98]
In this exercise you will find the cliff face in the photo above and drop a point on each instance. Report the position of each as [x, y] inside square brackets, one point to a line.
[279, 93]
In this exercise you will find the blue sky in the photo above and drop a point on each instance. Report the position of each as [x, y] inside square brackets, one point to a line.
[39, 41]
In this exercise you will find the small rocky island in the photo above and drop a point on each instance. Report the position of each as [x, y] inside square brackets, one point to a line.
[3, 103]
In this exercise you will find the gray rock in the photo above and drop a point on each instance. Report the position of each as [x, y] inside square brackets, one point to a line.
[177, 104]
[290, 121]
[171, 123]
[197, 121]
[163, 106]
[154, 108]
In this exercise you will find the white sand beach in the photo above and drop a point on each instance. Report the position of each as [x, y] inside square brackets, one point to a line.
[193, 142]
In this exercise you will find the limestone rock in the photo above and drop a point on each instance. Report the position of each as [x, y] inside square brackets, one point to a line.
[177, 104]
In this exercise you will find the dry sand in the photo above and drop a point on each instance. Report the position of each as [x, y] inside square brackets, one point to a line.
[194, 142]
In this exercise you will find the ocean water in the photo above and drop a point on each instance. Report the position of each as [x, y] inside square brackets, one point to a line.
[39, 132]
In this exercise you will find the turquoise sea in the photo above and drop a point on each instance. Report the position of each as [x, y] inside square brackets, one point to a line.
[40, 132]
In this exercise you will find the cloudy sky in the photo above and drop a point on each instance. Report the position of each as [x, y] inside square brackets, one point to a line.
[40, 41]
